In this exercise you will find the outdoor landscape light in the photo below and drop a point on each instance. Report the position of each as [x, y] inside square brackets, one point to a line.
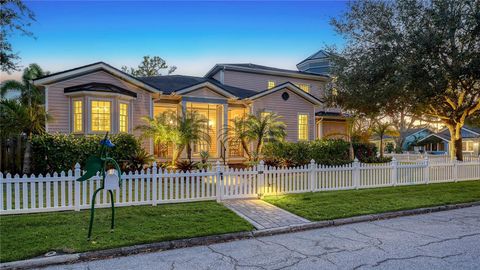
[112, 180]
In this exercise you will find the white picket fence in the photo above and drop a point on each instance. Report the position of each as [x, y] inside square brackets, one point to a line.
[443, 158]
[59, 192]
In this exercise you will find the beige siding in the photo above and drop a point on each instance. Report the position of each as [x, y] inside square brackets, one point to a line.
[288, 110]
[204, 92]
[59, 103]
[258, 82]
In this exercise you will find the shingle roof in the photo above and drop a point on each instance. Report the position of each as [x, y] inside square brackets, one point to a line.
[321, 54]
[254, 68]
[100, 87]
[173, 83]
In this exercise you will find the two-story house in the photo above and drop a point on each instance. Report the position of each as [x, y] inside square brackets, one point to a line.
[98, 97]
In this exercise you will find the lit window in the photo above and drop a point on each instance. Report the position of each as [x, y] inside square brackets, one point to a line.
[100, 114]
[123, 117]
[303, 127]
[270, 84]
[305, 87]
[265, 114]
[77, 116]
[467, 146]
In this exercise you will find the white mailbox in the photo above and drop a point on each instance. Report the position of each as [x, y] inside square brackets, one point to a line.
[111, 180]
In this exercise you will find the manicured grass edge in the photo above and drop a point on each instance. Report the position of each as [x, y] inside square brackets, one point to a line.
[213, 239]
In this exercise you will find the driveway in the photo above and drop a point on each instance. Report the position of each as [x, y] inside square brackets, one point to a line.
[441, 240]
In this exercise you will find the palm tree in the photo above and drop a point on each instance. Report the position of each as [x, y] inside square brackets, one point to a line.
[382, 129]
[29, 94]
[29, 114]
[238, 131]
[163, 130]
[265, 127]
[17, 118]
[182, 131]
[193, 129]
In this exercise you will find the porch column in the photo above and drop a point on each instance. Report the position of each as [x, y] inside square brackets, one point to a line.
[225, 129]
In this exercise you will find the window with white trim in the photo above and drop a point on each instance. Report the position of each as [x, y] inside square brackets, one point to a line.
[305, 87]
[100, 115]
[303, 127]
[123, 117]
[77, 116]
[270, 84]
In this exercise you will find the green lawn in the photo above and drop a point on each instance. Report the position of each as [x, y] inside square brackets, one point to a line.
[26, 236]
[339, 204]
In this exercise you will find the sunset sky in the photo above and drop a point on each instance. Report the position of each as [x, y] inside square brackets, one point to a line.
[191, 35]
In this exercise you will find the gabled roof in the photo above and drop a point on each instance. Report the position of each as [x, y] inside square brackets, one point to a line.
[444, 134]
[321, 54]
[169, 84]
[292, 88]
[253, 68]
[100, 87]
[87, 69]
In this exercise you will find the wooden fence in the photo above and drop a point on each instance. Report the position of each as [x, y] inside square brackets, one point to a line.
[60, 192]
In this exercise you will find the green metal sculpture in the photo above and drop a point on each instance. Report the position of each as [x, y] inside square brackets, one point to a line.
[111, 179]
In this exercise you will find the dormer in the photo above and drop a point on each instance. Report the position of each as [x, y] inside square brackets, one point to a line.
[317, 63]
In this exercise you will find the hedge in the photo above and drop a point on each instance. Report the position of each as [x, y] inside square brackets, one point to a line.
[325, 152]
[55, 153]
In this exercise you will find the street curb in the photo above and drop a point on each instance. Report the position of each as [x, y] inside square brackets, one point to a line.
[213, 239]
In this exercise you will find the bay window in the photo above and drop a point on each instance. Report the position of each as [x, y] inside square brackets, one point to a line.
[77, 116]
[100, 114]
[123, 117]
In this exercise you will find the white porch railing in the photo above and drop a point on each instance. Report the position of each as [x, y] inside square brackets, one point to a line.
[59, 192]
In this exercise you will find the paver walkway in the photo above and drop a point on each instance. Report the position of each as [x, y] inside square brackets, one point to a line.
[443, 240]
[263, 215]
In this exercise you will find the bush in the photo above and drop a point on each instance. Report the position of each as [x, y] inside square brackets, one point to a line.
[327, 152]
[367, 153]
[55, 153]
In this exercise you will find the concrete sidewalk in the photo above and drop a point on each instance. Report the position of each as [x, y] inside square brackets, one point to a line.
[441, 240]
[263, 215]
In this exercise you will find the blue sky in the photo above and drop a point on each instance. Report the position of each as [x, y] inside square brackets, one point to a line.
[191, 35]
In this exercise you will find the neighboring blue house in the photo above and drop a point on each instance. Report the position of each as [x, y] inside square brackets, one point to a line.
[411, 137]
[439, 142]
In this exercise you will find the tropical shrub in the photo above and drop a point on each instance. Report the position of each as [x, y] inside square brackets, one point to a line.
[327, 152]
[59, 152]
[186, 165]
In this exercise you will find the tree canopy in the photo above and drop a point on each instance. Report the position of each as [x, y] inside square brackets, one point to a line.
[150, 66]
[15, 17]
[413, 55]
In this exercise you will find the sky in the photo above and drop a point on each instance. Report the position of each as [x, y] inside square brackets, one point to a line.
[193, 36]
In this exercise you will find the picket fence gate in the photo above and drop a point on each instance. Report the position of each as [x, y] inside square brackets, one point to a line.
[60, 192]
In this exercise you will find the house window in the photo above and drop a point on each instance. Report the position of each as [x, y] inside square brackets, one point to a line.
[77, 116]
[467, 146]
[123, 117]
[305, 87]
[270, 84]
[100, 115]
[303, 127]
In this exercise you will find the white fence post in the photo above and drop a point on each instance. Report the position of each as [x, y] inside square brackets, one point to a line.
[356, 173]
[427, 170]
[219, 182]
[261, 179]
[77, 191]
[312, 174]
[455, 170]
[154, 183]
[394, 165]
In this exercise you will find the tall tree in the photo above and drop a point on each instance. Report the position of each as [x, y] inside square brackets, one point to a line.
[15, 16]
[424, 53]
[28, 113]
[149, 67]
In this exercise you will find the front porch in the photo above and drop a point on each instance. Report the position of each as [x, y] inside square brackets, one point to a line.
[218, 114]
